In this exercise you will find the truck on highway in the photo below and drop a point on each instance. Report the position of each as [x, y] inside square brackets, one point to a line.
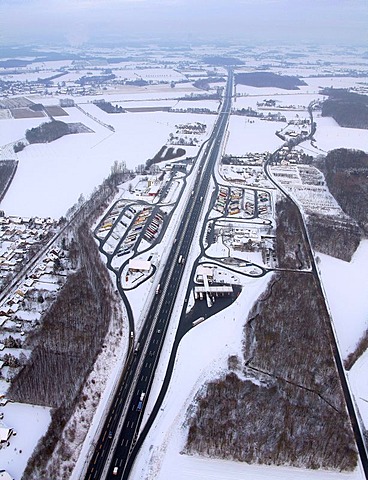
[181, 259]
[140, 403]
[136, 350]
[158, 289]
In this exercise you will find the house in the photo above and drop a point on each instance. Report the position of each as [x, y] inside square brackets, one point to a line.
[154, 190]
[16, 220]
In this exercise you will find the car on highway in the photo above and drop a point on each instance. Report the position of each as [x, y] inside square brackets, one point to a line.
[115, 471]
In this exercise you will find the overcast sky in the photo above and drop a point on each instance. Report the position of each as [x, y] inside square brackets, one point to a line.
[77, 22]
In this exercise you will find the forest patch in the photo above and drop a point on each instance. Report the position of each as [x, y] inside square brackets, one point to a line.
[269, 79]
[283, 404]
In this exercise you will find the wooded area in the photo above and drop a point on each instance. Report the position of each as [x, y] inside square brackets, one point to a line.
[47, 132]
[338, 237]
[282, 403]
[346, 175]
[290, 245]
[349, 109]
[269, 79]
[7, 172]
[289, 410]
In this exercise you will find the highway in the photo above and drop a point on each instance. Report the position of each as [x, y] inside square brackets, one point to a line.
[120, 431]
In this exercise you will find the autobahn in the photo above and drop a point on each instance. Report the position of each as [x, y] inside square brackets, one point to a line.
[121, 428]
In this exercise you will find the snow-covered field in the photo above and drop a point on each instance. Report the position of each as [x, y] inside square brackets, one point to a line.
[258, 136]
[345, 284]
[12, 130]
[330, 135]
[51, 177]
[29, 422]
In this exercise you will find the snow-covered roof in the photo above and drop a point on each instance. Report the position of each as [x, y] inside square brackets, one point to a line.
[136, 264]
[215, 289]
[154, 189]
[201, 270]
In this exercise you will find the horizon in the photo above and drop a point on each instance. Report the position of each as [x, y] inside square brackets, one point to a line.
[91, 22]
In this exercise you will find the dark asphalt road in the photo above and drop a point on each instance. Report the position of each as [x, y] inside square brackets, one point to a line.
[136, 383]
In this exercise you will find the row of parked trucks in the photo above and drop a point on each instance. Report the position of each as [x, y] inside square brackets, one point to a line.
[153, 228]
[221, 200]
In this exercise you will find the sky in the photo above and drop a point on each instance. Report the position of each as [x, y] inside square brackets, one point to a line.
[79, 22]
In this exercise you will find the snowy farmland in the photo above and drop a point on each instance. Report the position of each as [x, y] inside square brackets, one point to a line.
[350, 318]
[252, 135]
[330, 135]
[52, 176]
[50, 179]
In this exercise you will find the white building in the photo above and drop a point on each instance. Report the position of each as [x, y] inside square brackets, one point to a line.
[137, 265]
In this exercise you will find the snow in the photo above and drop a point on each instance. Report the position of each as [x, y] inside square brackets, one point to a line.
[213, 105]
[258, 136]
[264, 92]
[345, 285]
[160, 457]
[52, 176]
[197, 468]
[152, 74]
[12, 130]
[30, 422]
[359, 385]
[330, 135]
[316, 83]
